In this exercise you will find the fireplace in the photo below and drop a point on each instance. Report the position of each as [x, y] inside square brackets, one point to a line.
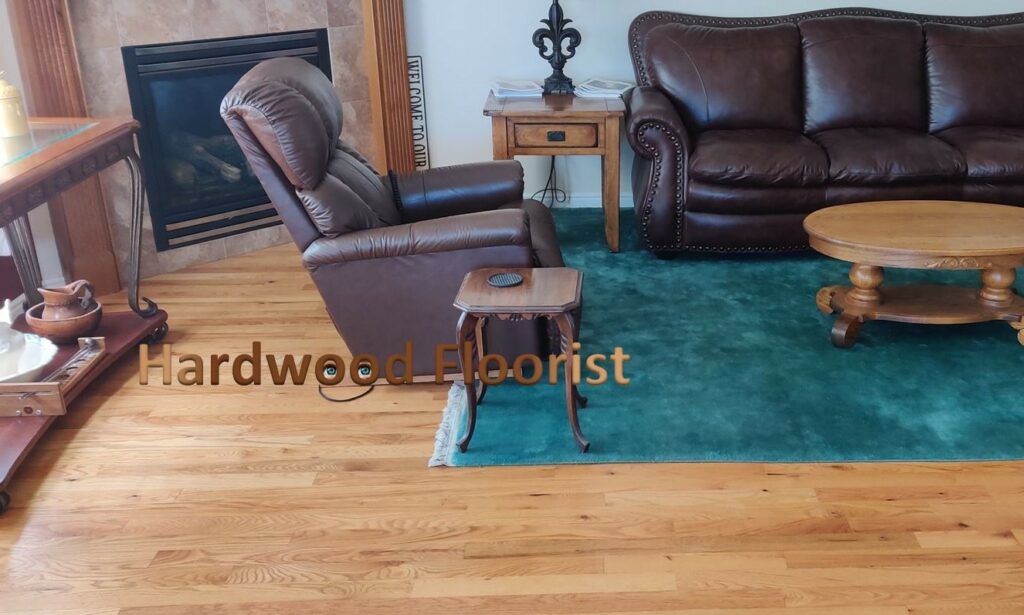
[198, 183]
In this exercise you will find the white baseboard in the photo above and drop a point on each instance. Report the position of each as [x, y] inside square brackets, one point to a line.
[582, 200]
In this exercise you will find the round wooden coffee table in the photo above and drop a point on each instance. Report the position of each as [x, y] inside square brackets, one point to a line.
[920, 235]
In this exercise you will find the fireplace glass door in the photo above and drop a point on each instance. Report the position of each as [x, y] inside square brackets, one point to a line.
[198, 182]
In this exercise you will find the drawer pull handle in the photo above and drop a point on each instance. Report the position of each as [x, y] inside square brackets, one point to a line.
[556, 136]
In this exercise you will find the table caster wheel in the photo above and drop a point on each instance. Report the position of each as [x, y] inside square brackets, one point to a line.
[157, 335]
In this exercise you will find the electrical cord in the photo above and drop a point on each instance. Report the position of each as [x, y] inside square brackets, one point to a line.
[344, 401]
[551, 189]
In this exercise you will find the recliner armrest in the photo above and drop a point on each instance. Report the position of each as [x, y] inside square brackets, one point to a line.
[649, 105]
[462, 189]
[509, 227]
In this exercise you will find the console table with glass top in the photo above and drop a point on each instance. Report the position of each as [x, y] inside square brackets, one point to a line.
[55, 155]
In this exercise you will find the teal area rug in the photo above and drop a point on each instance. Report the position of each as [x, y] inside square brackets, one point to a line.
[731, 361]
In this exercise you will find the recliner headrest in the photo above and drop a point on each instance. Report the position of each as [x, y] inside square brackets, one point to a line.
[292, 109]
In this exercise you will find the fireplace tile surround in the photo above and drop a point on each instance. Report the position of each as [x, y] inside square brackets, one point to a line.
[101, 27]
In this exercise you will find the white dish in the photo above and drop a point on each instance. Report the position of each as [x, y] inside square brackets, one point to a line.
[24, 362]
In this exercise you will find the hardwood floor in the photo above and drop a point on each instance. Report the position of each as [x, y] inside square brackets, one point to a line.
[153, 499]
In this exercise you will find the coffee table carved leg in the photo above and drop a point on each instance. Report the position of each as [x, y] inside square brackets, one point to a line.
[572, 395]
[1019, 326]
[824, 300]
[845, 330]
[997, 286]
[866, 279]
[854, 303]
[466, 332]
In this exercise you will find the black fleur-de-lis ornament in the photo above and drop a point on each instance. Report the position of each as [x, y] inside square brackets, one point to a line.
[551, 41]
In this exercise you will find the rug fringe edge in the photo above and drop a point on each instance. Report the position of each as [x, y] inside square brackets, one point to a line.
[447, 430]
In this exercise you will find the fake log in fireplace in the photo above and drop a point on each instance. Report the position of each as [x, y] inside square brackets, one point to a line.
[198, 182]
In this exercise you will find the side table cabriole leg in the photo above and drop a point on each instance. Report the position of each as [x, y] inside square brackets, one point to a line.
[466, 332]
[135, 248]
[23, 250]
[481, 352]
[567, 330]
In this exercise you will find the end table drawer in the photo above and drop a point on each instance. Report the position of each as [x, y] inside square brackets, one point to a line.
[556, 135]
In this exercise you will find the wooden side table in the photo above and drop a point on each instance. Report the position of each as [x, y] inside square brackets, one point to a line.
[554, 293]
[564, 126]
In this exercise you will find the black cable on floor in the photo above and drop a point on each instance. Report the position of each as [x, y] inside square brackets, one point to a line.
[551, 189]
[343, 401]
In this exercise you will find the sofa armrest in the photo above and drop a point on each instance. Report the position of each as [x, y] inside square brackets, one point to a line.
[660, 176]
[462, 189]
[648, 105]
[508, 227]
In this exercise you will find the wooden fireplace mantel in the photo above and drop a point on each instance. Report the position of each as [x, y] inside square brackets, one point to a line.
[388, 68]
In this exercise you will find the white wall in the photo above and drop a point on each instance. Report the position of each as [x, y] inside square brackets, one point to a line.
[39, 219]
[466, 44]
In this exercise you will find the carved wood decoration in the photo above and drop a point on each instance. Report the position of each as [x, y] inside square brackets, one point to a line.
[384, 21]
[49, 68]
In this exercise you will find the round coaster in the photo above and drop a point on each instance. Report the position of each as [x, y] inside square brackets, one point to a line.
[505, 280]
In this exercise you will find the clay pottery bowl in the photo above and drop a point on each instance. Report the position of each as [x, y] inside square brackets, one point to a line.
[65, 330]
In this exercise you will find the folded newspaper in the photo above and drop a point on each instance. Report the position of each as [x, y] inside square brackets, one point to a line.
[517, 89]
[602, 88]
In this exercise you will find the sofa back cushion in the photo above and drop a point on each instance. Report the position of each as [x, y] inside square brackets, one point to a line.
[722, 78]
[863, 72]
[975, 75]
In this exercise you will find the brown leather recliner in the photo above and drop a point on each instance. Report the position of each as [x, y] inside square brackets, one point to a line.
[387, 254]
[744, 126]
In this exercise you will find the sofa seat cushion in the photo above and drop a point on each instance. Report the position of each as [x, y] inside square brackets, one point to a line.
[992, 153]
[758, 158]
[888, 156]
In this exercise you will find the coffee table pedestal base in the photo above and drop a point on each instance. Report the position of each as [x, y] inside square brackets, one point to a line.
[921, 304]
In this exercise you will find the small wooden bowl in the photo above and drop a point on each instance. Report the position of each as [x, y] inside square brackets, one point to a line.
[64, 331]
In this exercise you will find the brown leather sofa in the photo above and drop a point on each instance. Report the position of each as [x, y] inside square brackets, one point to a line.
[387, 253]
[742, 127]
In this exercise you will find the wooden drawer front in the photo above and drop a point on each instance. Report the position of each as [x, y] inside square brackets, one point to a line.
[556, 135]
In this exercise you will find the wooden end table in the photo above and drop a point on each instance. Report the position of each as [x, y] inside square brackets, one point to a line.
[920, 235]
[553, 293]
[564, 126]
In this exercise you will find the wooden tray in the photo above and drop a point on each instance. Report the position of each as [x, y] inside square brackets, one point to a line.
[49, 397]
[122, 332]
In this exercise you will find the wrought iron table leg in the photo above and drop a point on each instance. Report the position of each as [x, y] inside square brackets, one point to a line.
[135, 248]
[23, 249]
